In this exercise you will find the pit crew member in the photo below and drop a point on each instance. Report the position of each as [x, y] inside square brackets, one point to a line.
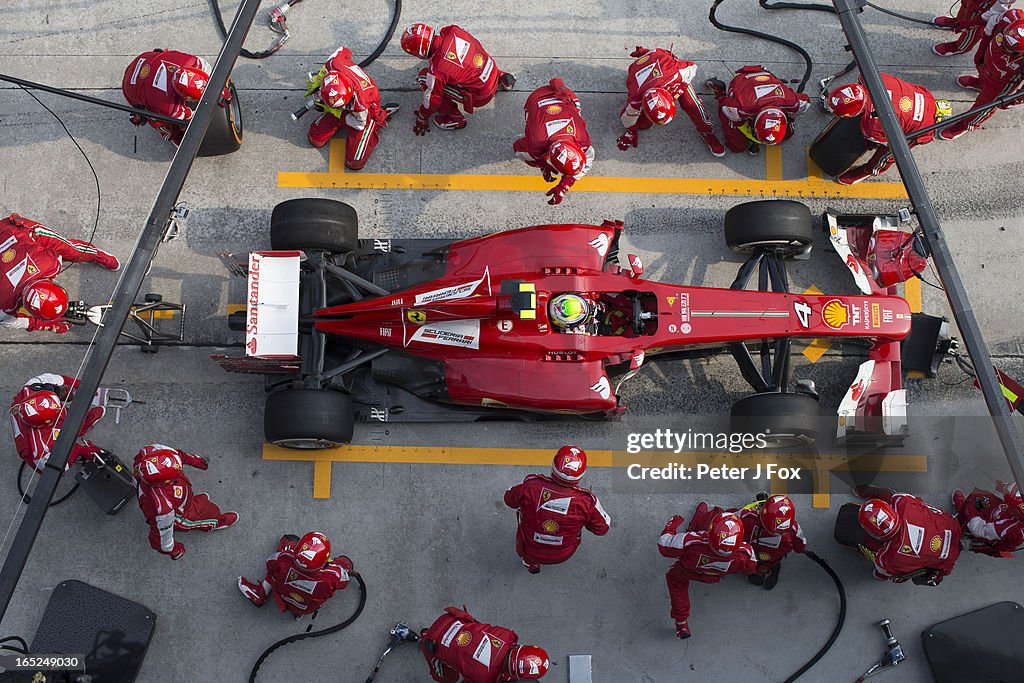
[553, 511]
[710, 548]
[915, 106]
[37, 413]
[167, 500]
[165, 82]
[556, 139]
[459, 77]
[908, 536]
[756, 109]
[968, 24]
[1000, 64]
[995, 521]
[348, 98]
[771, 529]
[300, 575]
[30, 256]
[457, 645]
[655, 83]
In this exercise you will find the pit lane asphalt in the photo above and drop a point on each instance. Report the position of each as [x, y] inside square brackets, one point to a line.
[429, 535]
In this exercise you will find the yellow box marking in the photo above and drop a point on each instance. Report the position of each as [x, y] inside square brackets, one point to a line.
[818, 347]
[912, 293]
[773, 162]
[819, 467]
[814, 172]
[235, 308]
[336, 177]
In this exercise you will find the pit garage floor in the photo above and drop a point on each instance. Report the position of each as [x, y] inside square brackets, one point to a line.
[424, 531]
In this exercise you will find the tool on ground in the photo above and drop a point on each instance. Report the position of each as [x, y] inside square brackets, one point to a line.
[892, 656]
[399, 633]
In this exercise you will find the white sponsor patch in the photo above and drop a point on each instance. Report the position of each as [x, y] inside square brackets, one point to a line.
[482, 653]
[9, 242]
[303, 585]
[160, 78]
[455, 291]
[449, 635]
[714, 565]
[559, 506]
[769, 541]
[461, 48]
[918, 107]
[553, 127]
[645, 73]
[764, 90]
[461, 333]
[916, 535]
[16, 273]
[138, 68]
[548, 101]
[947, 536]
[602, 387]
[360, 74]
[600, 243]
[488, 68]
[545, 539]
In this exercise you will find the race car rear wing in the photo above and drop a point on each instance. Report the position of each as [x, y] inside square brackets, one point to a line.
[272, 304]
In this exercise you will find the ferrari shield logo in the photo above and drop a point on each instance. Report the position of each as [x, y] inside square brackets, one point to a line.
[415, 316]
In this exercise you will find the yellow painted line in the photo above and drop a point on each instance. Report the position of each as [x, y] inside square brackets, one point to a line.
[814, 172]
[322, 479]
[773, 162]
[819, 466]
[336, 177]
[157, 314]
[912, 293]
[235, 308]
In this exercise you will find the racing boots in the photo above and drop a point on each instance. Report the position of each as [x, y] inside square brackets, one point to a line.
[255, 593]
[716, 86]
[969, 82]
[108, 261]
[449, 121]
[532, 568]
[853, 176]
[389, 110]
[683, 630]
[959, 498]
[714, 144]
[506, 81]
[944, 22]
[226, 519]
[947, 49]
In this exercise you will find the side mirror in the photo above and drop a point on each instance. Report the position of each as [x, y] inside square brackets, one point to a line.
[636, 265]
[637, 360]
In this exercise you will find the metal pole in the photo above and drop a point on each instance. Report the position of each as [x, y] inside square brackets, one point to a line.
[124, 296]
[91, 100]
[1006, 427]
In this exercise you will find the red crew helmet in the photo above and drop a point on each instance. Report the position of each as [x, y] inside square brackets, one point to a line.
[157, 463]
[527, 663]
[847, 100]
[770, 126]
[658, 105]
[725, 533]
[878, 519]
[566, 157]
[569, 465]
[45, 299]
[190, 83]
[777, 514]
[312, 551]
[39, 408]
[418, 40]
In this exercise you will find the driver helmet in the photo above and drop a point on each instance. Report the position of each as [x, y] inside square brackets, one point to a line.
[570, 310]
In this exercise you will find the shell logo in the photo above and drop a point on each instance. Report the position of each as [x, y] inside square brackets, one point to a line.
[550, 526]
[144, 71]
[836, 314]
[464, 638]
[478, 61]
[8, 256]
[762, 78]
[935, 544]
[906, 104]
[553, 109]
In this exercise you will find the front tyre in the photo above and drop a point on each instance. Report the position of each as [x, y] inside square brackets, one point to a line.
[786, 420]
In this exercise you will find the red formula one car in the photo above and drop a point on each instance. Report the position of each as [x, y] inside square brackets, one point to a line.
[436, 330]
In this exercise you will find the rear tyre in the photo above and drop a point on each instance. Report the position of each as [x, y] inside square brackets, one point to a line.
[838, 146]
[769, 224]
[317, 224]
[785, 419]
[308, 418]
[224, 135]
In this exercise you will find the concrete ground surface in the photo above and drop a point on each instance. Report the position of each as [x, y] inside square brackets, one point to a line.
[429, 535]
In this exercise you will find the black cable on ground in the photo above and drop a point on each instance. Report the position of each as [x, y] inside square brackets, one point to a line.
[28, 499]
[95, 177]
[313, 634]
[266, 53]
[839, 622]
[904, 17]
[21, 648]
[767, 36]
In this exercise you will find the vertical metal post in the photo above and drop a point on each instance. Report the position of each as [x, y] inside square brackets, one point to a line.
[1003, 418]
[124, 296]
